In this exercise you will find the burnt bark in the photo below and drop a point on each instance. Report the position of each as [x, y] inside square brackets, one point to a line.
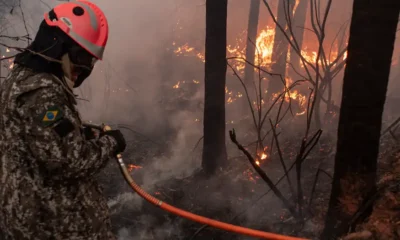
[214, 148]
[280, 48]
[299, 20]
[370, 49]
[252, 28]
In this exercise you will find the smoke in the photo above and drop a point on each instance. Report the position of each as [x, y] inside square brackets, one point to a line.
[136, 76]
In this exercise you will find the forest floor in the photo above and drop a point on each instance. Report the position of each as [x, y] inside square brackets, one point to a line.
[236, 195]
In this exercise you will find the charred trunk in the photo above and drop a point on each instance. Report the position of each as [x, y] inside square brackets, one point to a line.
[280, 48]
[364, 92]
[317, 111]
[251, 40]
[299, 20]
[214, 148]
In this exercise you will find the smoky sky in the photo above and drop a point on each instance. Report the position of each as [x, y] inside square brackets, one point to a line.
[126, 86]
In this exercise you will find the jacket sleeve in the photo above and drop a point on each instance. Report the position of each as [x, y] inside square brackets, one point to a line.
[54, 137]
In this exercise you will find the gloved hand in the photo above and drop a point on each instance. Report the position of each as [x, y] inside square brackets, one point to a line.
[89, 133]
[117, 135]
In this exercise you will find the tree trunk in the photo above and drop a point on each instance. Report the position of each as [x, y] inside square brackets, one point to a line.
[214, 148]
[251, 40]
[280, 48]
[370, 49]
[299, 20]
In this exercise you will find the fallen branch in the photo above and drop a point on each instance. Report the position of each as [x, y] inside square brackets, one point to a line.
[264, 176]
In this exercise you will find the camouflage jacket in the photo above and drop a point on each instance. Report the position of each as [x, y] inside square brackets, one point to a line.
[47, 167]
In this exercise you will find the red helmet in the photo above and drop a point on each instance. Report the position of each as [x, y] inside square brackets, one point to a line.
[84, 22]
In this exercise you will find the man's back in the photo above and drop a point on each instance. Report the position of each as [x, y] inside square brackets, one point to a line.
[47, 190]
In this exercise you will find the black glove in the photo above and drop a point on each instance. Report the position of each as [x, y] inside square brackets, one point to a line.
[117, 135]
[89, 133]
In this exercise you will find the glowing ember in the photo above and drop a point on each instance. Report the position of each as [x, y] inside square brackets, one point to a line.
[263, 156]
[177, 85]
[131, 167]
[249, 175]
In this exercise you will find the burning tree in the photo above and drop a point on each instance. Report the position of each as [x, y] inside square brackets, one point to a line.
[252, 28]
[214, 149]
[364, 92]
[281, 46]
[317, 68]
[322, 66]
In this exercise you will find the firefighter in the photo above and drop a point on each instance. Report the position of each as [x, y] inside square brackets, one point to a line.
[47, 163]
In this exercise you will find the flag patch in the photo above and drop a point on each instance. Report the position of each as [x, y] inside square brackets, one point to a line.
[51, 115]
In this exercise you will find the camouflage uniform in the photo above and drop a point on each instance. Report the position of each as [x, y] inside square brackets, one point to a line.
[47, 186]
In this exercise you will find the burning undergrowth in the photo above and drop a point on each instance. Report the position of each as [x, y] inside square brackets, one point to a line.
[171, 171]
[236, 195]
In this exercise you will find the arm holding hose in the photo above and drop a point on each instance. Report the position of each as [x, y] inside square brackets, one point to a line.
[55, 138]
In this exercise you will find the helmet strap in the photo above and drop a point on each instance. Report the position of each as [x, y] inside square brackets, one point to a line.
[66, 67]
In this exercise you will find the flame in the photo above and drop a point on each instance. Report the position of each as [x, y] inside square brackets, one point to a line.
[265, 44]
[311, 56]
[131, 167]
[263, 156]
[185, 50]
[177, 85]
[301, 113]
[263, 52]
[295, 6]
[263, 57]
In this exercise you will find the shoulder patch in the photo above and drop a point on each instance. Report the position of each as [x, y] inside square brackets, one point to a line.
[50, 116]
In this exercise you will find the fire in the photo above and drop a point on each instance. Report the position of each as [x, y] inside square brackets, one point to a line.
[263, 57]
[311, 56]
[249, 175]
[295, 95]
[263, 52]
[177, 85]
[131, 167]
[185, 50]
[231, 97]
[262, 155]
[265, 44]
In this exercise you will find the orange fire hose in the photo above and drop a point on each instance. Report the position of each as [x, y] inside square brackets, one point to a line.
[189, 215]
